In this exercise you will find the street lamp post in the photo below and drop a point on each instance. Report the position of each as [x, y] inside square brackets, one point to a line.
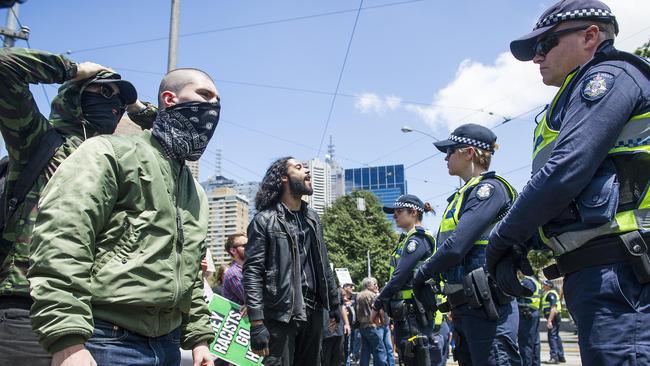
[407, 129]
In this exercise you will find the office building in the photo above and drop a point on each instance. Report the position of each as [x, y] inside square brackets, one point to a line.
[321, 184]
[228, 214]
[386, 182]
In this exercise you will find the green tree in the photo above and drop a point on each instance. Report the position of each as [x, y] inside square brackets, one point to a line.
[644, 51]
[540, 259]
[350, 233]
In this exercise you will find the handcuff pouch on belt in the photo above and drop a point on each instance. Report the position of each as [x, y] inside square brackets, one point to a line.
[417, 349]
[476, 293]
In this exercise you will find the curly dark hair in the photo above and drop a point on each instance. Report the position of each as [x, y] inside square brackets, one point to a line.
[271, 187]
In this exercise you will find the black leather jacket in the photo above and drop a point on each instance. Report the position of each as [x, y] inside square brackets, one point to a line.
[270, 265]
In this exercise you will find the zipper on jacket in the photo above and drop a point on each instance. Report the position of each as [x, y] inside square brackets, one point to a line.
[180, 237]
[293, 262]
[322, 261]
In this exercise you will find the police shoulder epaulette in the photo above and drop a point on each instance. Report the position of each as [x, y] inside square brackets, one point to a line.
[490, 174]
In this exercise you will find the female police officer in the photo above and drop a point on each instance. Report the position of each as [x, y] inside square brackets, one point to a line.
[414, 329]
[484, 318]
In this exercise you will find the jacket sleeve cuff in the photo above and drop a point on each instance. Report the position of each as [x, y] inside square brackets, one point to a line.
[190, 344]
[65, 342]
[255, 314]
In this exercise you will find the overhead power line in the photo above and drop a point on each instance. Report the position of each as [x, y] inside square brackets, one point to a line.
[243, 26]
[338, 82]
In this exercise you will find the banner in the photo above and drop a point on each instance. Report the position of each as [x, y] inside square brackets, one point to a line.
[343, 275]
[232, 342]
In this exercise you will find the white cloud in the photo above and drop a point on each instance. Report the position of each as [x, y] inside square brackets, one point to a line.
[632, 17]
[371, 102]
[489, 92]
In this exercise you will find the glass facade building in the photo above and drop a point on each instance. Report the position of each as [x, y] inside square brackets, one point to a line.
[386, 182]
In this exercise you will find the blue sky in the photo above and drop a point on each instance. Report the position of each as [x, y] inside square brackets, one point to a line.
[428, 64]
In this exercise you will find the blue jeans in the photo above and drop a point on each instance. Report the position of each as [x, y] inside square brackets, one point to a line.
[388, 344]
[372, 341]
[443, 336]
[612, 311]
[116, 346]
[354, 346]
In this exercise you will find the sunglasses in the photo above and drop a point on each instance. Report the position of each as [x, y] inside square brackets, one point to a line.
[452, 150]
[546, 44]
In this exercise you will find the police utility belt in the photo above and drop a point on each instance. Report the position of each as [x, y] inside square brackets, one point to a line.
[478, 291]
[630, 247]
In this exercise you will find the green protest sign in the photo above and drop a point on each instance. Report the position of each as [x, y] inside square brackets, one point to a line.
[232, 342]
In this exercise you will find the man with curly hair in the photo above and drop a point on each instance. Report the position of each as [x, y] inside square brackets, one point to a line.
[287, 277]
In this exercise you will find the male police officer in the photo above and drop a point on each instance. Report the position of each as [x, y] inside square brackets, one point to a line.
[551, 308]
[528, 336]
[413, 326]
[588, 198]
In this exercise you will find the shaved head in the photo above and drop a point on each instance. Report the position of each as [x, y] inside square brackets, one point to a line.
[177, 79]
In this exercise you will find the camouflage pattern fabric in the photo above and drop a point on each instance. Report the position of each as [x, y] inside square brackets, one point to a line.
[22, 126]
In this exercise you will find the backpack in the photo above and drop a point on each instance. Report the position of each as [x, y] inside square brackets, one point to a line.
[47, 146]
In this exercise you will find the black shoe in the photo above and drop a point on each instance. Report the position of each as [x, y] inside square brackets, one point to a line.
[562, 360]
[552, 361]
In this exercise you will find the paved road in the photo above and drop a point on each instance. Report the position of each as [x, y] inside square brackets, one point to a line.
[571, 351]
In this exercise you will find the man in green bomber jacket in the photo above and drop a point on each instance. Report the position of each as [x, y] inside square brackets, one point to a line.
[90, 102]
[117, 246]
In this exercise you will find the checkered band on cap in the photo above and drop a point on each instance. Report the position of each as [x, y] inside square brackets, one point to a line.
[469, 141]
[572, 15]
[408, 205]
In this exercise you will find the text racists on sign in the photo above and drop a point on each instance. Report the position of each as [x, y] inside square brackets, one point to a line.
[232, 333]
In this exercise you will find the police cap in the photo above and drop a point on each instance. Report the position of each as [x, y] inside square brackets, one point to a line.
[523, 48]
[405, 201]
[469, 134]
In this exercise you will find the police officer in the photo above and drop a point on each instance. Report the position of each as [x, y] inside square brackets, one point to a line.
[414, 328]
[485, 320]
[587, 198]
[551, 307]
[529, 342]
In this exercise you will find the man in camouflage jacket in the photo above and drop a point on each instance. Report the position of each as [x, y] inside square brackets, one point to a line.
[22, 126]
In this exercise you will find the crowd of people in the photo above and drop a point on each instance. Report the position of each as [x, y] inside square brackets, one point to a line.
[103, 236]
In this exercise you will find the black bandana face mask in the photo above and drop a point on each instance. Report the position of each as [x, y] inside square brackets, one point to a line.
[103, 114]
[185, 129]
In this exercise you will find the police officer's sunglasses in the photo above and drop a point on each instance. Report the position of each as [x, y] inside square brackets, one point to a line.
[452, 150]
[546, 44]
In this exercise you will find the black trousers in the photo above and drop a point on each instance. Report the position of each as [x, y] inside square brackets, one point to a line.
[18, 342]
[296, 342]
[333, 351]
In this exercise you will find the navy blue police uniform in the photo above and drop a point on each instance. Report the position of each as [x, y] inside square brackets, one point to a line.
[528, 335]
[480, 338]
[588, 196]
[552, 299]
[411, 250]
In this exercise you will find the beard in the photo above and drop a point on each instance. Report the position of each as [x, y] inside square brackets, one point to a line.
[299, 187]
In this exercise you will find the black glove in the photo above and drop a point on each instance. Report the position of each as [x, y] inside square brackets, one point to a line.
[425, 295]
[496, 250]
[336, 314]
[506, 275]
[419, 278]
[259, 337]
